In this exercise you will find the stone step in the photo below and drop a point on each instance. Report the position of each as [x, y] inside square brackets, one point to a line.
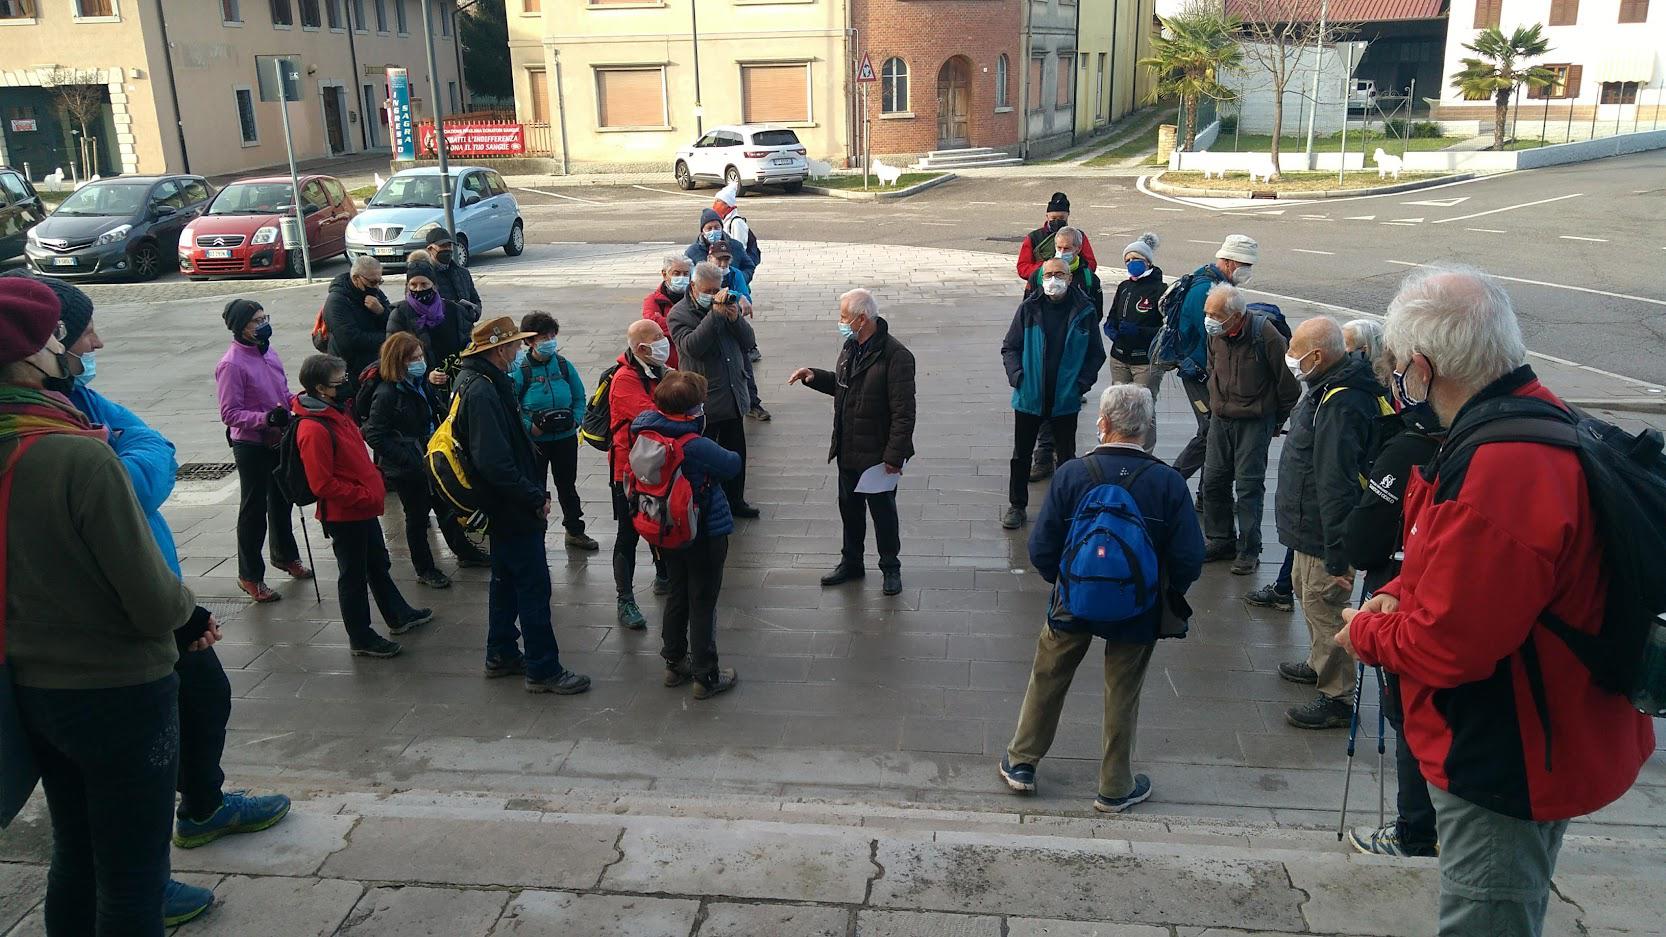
[967, 162]
[963, 151]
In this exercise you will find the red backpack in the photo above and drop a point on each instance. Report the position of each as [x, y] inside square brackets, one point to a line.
[664, 505]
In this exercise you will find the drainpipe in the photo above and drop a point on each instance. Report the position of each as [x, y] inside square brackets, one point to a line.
[1076, 69]
[560, 109]
[358, 80]
[1024, 87]
[1110, 78]
[173, 88]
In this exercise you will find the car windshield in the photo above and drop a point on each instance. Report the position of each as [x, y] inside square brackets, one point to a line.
[408, 192]
[775, 138]
[253, 198]
[112, 199]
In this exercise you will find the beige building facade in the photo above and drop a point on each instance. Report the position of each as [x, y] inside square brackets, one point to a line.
[619, 85]
[193, 85]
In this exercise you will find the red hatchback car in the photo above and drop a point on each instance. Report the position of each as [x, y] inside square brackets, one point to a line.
[241, 231]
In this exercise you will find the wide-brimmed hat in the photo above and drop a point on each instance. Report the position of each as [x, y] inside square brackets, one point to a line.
[495, 333]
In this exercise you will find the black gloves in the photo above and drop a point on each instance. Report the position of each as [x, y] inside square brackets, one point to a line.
[277, 417]
[195, 627]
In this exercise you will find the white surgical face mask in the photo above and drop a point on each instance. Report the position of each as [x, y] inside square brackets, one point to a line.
[1295, 366]
[660, 351]
[1213, 326]
[1054, 286]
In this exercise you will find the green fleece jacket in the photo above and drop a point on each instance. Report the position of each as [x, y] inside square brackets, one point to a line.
[90, 602]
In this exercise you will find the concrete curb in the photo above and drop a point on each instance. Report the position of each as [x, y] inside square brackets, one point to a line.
[860, 196]
[1156, 184]
[1654, 405]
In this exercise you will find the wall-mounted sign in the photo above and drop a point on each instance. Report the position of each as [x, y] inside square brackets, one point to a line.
[399, 114]
[24, 125]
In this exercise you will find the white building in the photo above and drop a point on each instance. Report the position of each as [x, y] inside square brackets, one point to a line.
[1607, 55]
[1254, 85]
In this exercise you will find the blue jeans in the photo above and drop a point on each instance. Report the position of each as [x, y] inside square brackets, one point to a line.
[521, 589]
[108, 760]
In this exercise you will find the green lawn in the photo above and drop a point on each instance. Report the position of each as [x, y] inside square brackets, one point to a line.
[1332, 143]
[1293, 181]
[855, 181]
[363, 193]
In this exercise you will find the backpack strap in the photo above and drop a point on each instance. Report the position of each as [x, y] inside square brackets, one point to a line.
[526, 380]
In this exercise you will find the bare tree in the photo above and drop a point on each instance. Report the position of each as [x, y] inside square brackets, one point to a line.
[1276, 34]
[81, 94]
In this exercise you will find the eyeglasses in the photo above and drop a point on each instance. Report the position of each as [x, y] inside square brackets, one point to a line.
[261, 320]
[372, 284]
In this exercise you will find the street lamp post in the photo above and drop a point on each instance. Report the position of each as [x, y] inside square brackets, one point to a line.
[294, 175]
[694, 41]
[439, 115]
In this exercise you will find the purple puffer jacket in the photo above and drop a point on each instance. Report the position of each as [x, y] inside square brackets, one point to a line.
[250, 383]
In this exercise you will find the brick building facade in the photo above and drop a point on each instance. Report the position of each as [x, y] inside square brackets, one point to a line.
[949, 74]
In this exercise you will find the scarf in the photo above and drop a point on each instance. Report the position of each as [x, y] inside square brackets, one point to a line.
[429, 317]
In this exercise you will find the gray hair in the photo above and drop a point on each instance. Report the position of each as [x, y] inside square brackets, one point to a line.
[1231, 296]
[366, 266]
[1077, 238]
[1367, 335]
[672, 261]
[707, 272]
[861, 302]
[1127, 410]
[1461, 319]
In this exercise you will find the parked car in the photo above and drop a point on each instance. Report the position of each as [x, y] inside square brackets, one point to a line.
[241, 233]
[407, 206]
[743, 155]
[20, 210]
[128, 226]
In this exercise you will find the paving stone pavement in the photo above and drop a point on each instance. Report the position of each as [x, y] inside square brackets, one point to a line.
[845, 694]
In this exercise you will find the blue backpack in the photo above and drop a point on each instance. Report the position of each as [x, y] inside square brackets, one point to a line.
[1108, 572]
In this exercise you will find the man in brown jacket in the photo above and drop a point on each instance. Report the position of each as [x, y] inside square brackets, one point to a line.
[1251, 394]
[873, 425]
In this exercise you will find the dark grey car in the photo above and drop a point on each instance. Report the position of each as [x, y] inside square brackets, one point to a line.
[128, 226]
[20, 210]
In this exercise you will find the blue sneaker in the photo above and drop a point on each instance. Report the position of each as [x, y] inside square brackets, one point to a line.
[240, 812]
[1019, 777]
[1139, 795]
[182, 902]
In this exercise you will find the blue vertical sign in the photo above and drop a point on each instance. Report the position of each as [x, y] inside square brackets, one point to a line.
[399, 114]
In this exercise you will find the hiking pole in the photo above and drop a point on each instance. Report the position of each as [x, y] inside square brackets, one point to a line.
[1353, 733]
[307, 539]
[1382, 730]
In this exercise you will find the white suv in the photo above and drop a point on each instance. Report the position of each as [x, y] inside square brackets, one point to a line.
[743, 155]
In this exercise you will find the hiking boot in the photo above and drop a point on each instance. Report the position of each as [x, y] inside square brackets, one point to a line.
[378, 646]
[1139, 795]
[1020, 777]
[258, 591]
[662, 585]
[415, 619]
[1245, 565]
[1383, 842]
[678, 673]
[501, 666]
[843, 573]
[743, 511]
[759, 414]
[473, 557]
[630, 615]
[1220, 550]
[892, 584]
[434, 579]
[718, 681]
[1041, 471]
[1322, 713]
[294, 569]
[561, 683]
[1298, 672]
[1268, 596]
[1013, 518]
[239, 812]
[182, 902]
[580, 541]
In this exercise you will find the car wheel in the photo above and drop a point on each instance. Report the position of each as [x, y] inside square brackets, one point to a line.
[146, 262]
[460, 251]
[685, 181]
[517, 240]
[793, 187]
[732, 177]
[293, 264]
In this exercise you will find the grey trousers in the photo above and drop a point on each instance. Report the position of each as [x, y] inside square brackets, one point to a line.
[1151, 378]
[1236, 457]
[1495, 870]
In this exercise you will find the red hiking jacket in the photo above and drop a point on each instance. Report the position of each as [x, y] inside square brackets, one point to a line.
[1518, 537]
[655, 307]
[1038, 249]
[629, 395]
[339, 470]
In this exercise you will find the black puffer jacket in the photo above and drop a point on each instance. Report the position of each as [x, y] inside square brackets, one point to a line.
[1326, 456]
[441, 342]
[456, 283]
[873, 402]
[499, 450]
[356, 333]
[1376, 527]
[402, 417]
[1135, 303]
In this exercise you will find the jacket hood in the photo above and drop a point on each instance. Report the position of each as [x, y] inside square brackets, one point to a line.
[343, 283]
[1351, 372]
[881, 331]
[661, 423]
[308, 405]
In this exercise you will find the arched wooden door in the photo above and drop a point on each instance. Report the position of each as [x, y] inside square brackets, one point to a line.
[954, 103]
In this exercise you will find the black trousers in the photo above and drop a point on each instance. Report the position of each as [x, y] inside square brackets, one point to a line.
[560, 458]
[854, 510]
[204, 710]
[262, 512]
[690, 627]
[416, 498]
[1191, 458]
[1416, 821]
[624, 548]
[362, 558]
[1025, 426]
[731, 435]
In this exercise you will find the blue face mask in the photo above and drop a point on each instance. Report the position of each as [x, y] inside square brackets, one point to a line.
[1068, 257]
[417, 369]
[714, 235]
[520, 359]
[1137, 268]
[263, 332]
[847, 331]
[89, 369]
[546, 350]
[679, 284]
[704, 300]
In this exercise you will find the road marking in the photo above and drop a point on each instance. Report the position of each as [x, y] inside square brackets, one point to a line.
[1555, 286]
[1315, 217]
[939, 224]
[1494, 211]
[1486, 230]
[1090, 206]
[1303, 250]
[1196, 241]
[1168, 209]
[1402, 224]
[996, 203]
[1440, 202]
[1360, 218]
[1406, 221]
[570, 198]
[665, 192]
[1575, 237]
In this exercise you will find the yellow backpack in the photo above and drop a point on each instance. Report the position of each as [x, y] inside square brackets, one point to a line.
[449, 470]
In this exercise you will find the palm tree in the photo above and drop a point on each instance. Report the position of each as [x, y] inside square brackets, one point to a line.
[1195, 46]
[1496, 70]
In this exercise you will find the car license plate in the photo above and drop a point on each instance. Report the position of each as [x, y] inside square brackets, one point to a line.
[387, 252]
[219, 253]
[780, 162]
[63, 261]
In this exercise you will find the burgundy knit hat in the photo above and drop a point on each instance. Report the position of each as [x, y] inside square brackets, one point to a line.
[28, 317]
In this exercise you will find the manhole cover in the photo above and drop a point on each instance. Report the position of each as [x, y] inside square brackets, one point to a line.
[204, 471]
[1006, 240]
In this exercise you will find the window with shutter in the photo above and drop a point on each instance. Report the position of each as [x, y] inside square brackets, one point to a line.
[536, 79]
[1619, 92]
[775, 93]
[1036, 62]
[1488, 13]
[1634, 11]
[630, 97]
[94, 8]
[1067, 80]
[1564, 12]
[1572, 88]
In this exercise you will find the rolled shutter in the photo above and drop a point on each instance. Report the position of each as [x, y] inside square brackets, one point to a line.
[537, 78]
[1575, 72]
[630, 97]
[779, 93]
